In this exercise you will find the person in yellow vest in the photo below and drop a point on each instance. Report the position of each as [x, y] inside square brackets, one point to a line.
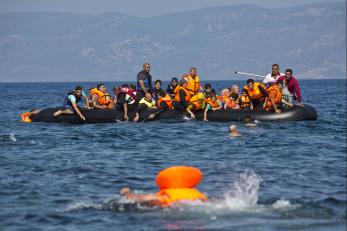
[213, 104]
[244, 101]
[176, 184]
[144, 103]
[100, 98]
[197, 102]
[274, 98]
[256, 92]
[181, 96]
[193, 81]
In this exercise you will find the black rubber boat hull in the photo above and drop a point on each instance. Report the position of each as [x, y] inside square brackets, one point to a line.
[306, 112]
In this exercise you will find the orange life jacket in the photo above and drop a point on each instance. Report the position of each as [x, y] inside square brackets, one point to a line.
[167, 100]
[195, 101]
[278, 95]
[104, 98]
[213, 104]
[26, 117]
[245, 101]
[180, 194]
[177, 93]
[193, 84]
[177, 184]
[255, 92]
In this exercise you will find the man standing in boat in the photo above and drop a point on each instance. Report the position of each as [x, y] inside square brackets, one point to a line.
[193, 81]
[144, 81]
[274, 75]
[289, 81]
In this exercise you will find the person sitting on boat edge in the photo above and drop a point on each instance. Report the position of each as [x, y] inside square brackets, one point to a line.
[274, 98]
[71, 101]
[100, 98]
[171, 87]
[144, 103]
[182, 96]
[256, 93]
[125, 99]
[144, 81]
[197, 102]
[212, 103]
[274, 75]
[164, 101]
[291, 83]
[176, 184]
[193, 81]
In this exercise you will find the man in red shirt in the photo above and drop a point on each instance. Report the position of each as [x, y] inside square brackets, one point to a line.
[292, 85]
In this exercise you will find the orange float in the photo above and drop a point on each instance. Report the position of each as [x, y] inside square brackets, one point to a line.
[26, 117]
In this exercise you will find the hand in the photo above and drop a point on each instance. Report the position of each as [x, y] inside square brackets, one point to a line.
[82, 117]
[278, 111]
[300, 104]
[126, 118]
[124, 191]
[104, 106]
[192, 116]
[205, 119]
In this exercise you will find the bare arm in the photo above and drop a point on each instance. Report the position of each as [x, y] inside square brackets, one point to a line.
[125, 106]
[74, 106]
[142, 85]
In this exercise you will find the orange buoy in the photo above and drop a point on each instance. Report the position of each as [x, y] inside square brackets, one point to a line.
[178, 177]
[26, 117]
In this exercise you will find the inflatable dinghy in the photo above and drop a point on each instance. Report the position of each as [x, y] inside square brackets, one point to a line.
[306, 112]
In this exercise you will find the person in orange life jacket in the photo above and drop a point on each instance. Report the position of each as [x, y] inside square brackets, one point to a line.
[125, 99]
[171, 87]
[244, 101]
[193, 81]
[176, 184]
[274, 75]
[207, 90]
[156, 89]
[224, 97]
[213, 104]
[256, 92]
[234, 101]
[164, 101]
[197, 102]
[144, 81]
[273, 100]
[71, 101]
[181, 96]
[144, 103]
[100, 98]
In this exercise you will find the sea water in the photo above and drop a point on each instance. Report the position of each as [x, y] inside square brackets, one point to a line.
[275, 176]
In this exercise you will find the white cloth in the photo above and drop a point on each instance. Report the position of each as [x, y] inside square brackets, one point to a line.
[268, 78]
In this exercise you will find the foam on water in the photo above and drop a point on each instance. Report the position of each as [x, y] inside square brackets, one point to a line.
[12, 137]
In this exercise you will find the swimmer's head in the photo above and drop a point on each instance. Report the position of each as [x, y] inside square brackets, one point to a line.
[232, 128]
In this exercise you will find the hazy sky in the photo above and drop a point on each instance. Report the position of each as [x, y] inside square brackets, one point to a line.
[137, 7]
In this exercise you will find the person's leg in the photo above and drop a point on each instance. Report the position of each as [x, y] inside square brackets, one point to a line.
[66, 111]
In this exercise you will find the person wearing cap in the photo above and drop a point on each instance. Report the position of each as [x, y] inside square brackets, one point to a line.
[171, 87]
[291, 83]
[274, 97]
[181, 96]
[256, 92]
[274, 75]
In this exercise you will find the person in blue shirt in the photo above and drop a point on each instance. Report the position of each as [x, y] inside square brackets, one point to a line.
[71, 101]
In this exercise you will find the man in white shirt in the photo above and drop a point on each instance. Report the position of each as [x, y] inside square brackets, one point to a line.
[274, 75]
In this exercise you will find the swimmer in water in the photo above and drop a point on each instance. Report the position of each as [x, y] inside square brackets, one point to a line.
[233, 131]
[176, 184]
[248, 122]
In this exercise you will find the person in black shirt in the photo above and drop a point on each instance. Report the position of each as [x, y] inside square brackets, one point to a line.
[170, 88]
[144, 81]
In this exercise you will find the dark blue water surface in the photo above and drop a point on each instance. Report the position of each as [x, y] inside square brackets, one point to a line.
[276, 176]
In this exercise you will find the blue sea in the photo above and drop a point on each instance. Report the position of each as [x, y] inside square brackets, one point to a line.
[275, 176]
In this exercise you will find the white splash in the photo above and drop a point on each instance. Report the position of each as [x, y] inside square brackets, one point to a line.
[243, 192]
[12, 137]
[284, 205]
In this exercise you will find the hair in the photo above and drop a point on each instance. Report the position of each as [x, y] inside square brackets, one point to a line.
[289, 70]
[213, 91]
[162, 93]
[250, 81]
[116, 88]
[244, 91]
[125, 85]
[78, 88]
[275, 65]
[193, 68]
[234, 96]
[158, 81]
[99, 85]
[207, 85]
[225, 92]
[183, 81]
[247, 120]
[174, 79]
[232, 128]
[132, 86]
